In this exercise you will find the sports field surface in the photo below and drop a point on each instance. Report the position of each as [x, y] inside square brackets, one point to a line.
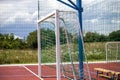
[30, 71]
[22, 72]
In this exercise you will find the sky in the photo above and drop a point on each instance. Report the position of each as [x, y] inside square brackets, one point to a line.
[20, 16]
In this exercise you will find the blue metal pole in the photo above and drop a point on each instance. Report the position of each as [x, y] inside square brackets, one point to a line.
[74, 7]
[79, 5]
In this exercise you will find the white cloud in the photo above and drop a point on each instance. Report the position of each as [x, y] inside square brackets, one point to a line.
[116, 21]
[35, 13]
[91, 21]
[94, 20]
[26, 10]
[5, 12]
[87, 1]
[21, 17]
[17, 11]
[15, 37]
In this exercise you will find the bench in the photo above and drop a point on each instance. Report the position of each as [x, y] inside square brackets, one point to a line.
[112, 75]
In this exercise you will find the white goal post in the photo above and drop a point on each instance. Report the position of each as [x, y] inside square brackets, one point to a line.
[112, 51]
[57, 43]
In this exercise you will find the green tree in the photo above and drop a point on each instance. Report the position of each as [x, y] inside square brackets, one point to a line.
[103, 38]
[47, 37]
[1, 40]
[64, 35]
[114, 36]
[7, 41]
[32, 40]
[91, 37]
[6, 44]
[18, 44]
[95, 37]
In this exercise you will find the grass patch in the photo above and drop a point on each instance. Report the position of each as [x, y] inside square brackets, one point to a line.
[18, 56]
[95, 52]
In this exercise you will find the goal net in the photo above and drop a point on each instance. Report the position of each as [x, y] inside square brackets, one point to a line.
[113, 55]
[58, 46]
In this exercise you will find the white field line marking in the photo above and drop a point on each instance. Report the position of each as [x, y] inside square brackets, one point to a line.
[89, 62]
[9, 65]
[14, 75]
[32, 73]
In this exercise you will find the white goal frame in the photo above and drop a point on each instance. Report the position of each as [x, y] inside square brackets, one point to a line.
[106, 46]
[57, 35]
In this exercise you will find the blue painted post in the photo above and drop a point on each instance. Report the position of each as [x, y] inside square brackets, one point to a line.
[79, 5]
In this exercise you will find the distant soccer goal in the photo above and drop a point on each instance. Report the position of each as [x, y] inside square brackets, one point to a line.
[113, 54]
[58, 46]
[112, 51]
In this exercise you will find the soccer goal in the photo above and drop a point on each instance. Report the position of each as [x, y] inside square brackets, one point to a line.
[113, 51]
[113, 55]
[58, 46]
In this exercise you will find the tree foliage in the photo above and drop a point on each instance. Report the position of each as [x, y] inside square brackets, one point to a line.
[114, 36]
[8, 41]
[91, 37]
[95, 37]
[32, 40]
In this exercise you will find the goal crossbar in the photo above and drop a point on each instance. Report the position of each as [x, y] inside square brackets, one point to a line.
[46, 17]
